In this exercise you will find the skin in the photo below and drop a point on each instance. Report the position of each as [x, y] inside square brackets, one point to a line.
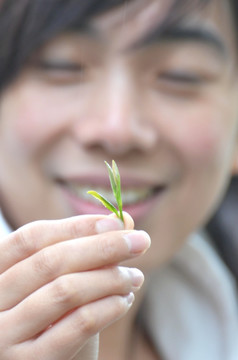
[161, 127]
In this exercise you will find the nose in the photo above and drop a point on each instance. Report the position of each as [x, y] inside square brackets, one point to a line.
[115, 117]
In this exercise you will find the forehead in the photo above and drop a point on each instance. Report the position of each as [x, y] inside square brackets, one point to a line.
[133, 18]
[146, 21]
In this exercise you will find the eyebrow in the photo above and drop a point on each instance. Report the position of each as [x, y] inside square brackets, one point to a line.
[174, 34]
[179, 34]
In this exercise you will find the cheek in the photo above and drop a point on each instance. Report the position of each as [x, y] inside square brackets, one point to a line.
[33, 120]
[202, 136]
[32, 126]
[200, 142]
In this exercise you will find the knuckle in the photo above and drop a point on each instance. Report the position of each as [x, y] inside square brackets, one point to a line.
[107, 249]
[63, 291]
[25, 241]
[86, 322]
[47, 263]
[71, 227]
[119, 279]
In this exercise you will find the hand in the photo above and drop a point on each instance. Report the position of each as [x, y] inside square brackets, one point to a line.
[60, 285]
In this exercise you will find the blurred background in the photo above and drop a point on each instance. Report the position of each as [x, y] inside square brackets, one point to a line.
[223, 228]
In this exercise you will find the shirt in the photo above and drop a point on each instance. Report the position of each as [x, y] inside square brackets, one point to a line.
[191, 308]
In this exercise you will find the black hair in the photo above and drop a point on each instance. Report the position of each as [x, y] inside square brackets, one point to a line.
[25, 25]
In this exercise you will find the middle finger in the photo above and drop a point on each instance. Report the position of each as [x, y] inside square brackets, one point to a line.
[71, 256]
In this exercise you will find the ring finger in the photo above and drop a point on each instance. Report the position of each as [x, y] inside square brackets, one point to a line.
[54, 300]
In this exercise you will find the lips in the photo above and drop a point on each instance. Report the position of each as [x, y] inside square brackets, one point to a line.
[137, 196]
[129, 196]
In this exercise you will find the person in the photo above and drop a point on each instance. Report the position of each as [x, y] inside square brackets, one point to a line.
[151, 84]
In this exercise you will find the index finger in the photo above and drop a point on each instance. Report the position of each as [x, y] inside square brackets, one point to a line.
[35, 236]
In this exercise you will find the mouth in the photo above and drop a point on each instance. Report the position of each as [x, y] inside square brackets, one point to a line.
[130, 196]
[137, 198]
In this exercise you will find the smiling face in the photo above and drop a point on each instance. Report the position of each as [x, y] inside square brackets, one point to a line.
[164, 107]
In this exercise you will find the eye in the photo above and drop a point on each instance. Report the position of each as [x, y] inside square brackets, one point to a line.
[60, 71]
[60, 66]
[181, 78]
[181, 84]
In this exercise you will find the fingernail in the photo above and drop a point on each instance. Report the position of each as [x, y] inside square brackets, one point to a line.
[108, 224]
[137, 278]
[130, 298]
[137, 241]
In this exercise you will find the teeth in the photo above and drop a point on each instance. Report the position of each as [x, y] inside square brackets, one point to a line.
[129, 196]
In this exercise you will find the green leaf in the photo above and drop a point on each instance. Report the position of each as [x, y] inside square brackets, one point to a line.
[112, 179]
[104, 201]
[115, 181]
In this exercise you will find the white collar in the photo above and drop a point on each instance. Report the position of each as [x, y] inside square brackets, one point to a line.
[191, 310]
[5, 229]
